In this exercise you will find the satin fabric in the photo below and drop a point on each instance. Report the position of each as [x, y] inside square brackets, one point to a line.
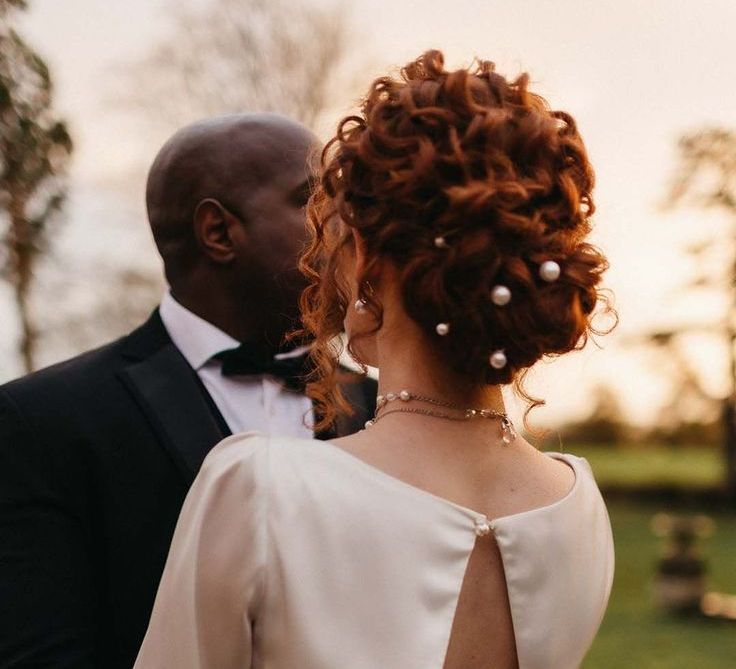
[294, 553]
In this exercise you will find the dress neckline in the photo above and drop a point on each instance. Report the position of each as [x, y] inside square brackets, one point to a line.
[569, 459]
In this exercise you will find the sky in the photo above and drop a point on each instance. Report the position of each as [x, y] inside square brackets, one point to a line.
[636, 74]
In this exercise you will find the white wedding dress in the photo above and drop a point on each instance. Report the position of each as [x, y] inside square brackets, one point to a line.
[295, 554]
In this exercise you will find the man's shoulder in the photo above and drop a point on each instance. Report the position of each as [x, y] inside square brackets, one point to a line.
[86, 368]
[62, 371]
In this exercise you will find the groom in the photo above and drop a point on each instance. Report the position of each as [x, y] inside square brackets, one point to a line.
[97, 453]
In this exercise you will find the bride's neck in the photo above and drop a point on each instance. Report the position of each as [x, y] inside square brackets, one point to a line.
[407, 361]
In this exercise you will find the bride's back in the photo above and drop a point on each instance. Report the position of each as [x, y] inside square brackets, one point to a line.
[295, 552]
[456, 463]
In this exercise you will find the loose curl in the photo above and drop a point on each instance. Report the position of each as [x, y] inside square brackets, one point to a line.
[484, 163]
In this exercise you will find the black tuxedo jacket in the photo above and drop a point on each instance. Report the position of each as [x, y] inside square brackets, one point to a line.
[96, 457]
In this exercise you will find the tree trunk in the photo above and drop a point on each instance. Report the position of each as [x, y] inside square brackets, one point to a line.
[21, 259]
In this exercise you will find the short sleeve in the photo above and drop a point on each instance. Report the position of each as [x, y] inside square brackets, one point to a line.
[208, 599]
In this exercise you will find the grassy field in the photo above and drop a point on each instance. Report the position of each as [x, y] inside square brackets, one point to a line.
[633, 633]
[641, 466]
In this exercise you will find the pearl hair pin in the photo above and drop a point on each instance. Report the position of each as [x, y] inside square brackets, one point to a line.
[500, 295]
[549, 271]
[440, 242]
[442, 329]
[498, 359]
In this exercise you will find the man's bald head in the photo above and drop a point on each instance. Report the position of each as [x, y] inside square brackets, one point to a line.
[225, 200]
[231, 159]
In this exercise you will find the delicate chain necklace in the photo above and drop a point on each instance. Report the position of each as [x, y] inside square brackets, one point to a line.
[405, 396]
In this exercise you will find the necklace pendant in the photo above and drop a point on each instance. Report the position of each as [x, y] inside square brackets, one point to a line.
[509, 433]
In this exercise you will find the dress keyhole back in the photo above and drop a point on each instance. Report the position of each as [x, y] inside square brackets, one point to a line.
[482, 634]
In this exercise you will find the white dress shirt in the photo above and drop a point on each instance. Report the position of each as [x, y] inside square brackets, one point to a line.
[245, 402]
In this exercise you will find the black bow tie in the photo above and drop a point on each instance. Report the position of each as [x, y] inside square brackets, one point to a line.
[246, 361]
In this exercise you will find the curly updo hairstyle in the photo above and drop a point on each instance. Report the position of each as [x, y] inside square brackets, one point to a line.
[464, 181]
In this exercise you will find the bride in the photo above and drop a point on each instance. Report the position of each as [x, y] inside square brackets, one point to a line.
[449, 244]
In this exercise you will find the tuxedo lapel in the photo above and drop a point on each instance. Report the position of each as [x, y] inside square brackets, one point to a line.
[173, 400]
[360, 393]
[356, 391]
[326, 433]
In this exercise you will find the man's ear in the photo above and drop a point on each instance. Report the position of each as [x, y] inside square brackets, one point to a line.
[212, 231]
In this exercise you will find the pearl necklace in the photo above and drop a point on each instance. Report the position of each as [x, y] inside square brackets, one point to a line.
[509, 433]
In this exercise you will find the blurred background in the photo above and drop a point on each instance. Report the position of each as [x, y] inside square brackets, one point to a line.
[89, 90]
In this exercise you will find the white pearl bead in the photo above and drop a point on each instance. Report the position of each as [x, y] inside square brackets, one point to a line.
[360, 305]
[482, 528]
[390, 397]
[500, 295]
[380, 400]
[368, 423]
[498, 359]
[549, 270]
[440, 242]
[405, 395]
[442, 329]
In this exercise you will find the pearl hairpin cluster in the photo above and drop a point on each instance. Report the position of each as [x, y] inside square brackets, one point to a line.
[549, 271]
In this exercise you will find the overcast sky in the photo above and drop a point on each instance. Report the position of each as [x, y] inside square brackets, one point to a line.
[635, 74]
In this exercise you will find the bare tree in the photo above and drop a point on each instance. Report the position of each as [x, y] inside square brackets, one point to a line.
[243, 55]
[34, 150]
[706, 177]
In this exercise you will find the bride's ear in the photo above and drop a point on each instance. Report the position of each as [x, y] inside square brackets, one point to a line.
[359, 258]
[359, 253]
[370, 269]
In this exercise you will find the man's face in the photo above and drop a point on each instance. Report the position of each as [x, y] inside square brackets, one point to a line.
[274, 233]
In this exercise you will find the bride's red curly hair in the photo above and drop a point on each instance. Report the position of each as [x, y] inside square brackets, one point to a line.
[483, 162]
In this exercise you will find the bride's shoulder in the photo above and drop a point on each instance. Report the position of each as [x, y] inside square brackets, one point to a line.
[249, 451]
[259, 465]
[235, 449]
[237, 458]
[550, 483]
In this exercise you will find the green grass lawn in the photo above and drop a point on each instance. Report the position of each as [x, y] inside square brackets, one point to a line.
[633, 633]
[638, 466]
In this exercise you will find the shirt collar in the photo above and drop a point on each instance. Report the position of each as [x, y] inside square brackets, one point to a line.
[197, 339]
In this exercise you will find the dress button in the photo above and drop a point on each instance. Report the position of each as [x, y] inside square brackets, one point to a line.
[482, 528]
